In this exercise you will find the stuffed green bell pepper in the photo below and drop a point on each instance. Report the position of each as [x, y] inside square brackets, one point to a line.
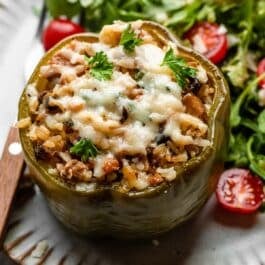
[126, 131]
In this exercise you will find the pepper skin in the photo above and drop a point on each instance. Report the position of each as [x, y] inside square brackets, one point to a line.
[106, 210]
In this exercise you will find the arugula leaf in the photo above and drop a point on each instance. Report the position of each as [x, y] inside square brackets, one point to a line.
[101, 68]
[85, 149]
[261, 121]
[257, 161]
[61, 7]
[129, 40]
[186, 15]
[235, 117]
[250, 124]
[237, 67]
[237, 154]
[179, 67]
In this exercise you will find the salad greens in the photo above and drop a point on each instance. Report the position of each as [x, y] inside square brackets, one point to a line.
[244, 22]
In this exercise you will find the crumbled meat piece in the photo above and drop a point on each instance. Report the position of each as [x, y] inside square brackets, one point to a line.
[72, 137]
[54, 143]
[155, 179]
[161, 154]
[134, 93]
[111, 165]
[51, 70]
[74, 169]
[206, 94]
[193, 150]
[40, 118]
[194, 132]
[194, 106]
[39, 133]
[58, 59]
[68, 126]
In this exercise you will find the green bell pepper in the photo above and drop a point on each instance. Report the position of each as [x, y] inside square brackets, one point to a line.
[105, 209]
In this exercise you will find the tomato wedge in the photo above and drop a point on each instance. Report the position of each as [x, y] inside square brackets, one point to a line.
[57, 30]
[209, 39]
[238, 190]
[261, 70]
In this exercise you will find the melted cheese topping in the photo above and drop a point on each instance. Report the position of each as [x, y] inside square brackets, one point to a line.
[121, 116]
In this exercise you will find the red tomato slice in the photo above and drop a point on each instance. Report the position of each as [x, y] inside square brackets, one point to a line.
[57, 30]
[239, 191]
[261, 70]
[208, 39]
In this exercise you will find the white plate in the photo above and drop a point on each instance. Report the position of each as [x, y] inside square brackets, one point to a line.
[213, 238]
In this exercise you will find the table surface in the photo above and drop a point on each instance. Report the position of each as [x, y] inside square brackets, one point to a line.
[8, 101]
[4, 260]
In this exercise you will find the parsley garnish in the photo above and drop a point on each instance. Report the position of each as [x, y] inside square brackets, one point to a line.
[101, 68]
[179, 66]
[85, 149]
[129, 40]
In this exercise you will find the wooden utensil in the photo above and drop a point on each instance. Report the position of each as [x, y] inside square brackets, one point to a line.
[11, 165]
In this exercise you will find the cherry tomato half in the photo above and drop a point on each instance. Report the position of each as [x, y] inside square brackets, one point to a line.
[261, 70]
[208, 39]
[239, 191]
[57, 30]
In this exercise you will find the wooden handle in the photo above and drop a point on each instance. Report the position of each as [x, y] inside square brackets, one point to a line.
[11, 166]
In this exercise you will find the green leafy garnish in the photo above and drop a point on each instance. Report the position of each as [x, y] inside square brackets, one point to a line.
[138, 75]
[129, 40]
[85, 149]
[179, 67]
[101, 68]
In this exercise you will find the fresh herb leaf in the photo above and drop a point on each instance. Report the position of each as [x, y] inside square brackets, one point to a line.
[129, 40]
[101, 68]
[85, 149]
[179, 67]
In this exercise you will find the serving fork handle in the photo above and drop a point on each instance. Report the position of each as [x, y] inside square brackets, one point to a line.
[11, 166]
